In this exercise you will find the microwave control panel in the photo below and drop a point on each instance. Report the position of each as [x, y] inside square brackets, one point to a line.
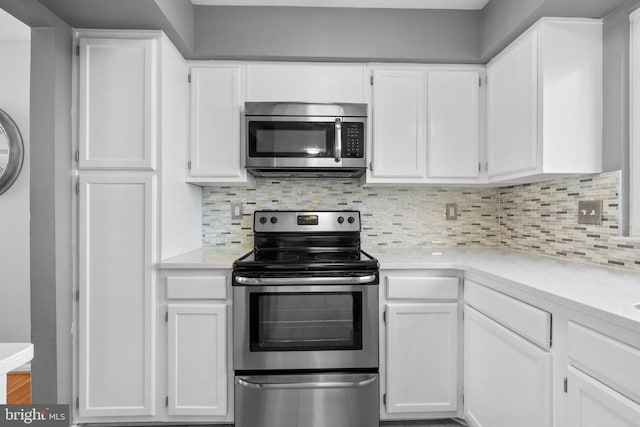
[353, 140]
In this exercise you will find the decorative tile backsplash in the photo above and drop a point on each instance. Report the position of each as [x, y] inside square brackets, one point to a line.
[403, 216]
[543, 218]
[539, 218]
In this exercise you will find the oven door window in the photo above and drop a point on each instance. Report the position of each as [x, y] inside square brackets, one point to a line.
[307, 321]
[291, 139]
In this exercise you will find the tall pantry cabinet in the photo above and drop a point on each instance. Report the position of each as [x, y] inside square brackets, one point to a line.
[119, 79]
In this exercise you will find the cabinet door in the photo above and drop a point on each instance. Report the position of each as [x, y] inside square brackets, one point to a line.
[453, 141]
[197, 359]
[305, 82]
[592, 404]
[116, 290]
[217, 100]
[512, 103]
[117, 103]
[422, 358]
[399, 124]
[507, 379]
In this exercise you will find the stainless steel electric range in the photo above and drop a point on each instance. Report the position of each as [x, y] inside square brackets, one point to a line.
[305, 312]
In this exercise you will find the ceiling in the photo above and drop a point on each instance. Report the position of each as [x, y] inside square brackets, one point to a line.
[385, 4]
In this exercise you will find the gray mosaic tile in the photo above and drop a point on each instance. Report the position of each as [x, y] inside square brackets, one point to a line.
[538, 218]
[401, 216]
[543, 218]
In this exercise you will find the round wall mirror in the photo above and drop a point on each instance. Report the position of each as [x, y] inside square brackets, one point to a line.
[11, 151]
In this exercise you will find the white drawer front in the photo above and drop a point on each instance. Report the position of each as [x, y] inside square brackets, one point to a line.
[433, 288]
[208, 287]
[529, 321]
[610, 361]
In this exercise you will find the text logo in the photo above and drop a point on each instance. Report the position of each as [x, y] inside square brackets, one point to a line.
[34, 415]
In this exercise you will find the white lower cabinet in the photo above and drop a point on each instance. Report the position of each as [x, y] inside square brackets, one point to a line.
[419, 346]
[507, 379]
[422, 352]
[197, 359]
[196, 309]
[593, 404]
[603, 375]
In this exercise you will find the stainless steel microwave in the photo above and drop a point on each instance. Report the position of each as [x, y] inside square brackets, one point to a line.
[292, 139]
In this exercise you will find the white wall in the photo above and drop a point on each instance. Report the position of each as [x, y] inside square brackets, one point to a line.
[15, 323]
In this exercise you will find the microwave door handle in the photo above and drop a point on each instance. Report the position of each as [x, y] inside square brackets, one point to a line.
[337, 148]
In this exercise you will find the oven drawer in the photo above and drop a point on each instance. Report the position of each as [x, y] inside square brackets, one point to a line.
[319, 400]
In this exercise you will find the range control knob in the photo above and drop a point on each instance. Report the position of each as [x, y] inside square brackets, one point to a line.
[340, 220]
[274, 220]
[351, 220]
[263, 220]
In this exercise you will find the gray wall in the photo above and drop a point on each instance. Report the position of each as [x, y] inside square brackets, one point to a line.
[179, 14]
[343, 34]
[174, 17]
[504, 20]
[616, 101]
[50, 199]
[51, 273]
[616, 86]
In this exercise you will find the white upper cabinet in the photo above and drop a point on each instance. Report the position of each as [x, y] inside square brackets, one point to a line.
[398, 124]
[512, 100]
[425, 124]
[305, 82]
[544, 102]
[454, 130]
[216, 146]
[117, 76]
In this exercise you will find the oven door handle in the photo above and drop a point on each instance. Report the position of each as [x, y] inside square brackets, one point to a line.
[346, 280]
[250, 382]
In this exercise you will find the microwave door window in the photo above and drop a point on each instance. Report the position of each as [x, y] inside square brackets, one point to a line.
[291, 139]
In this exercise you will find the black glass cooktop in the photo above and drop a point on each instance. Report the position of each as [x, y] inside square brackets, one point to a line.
[306, 260]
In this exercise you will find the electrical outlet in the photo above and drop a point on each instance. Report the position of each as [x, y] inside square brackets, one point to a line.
[452, 211]
[236, 211]
[590, 212]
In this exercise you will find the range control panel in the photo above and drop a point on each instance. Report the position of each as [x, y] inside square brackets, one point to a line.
[353, 139]
[317, 221]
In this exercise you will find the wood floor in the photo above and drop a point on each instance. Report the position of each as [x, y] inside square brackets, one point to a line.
[19, 388]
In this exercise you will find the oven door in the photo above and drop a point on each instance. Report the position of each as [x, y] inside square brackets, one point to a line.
[305, 326]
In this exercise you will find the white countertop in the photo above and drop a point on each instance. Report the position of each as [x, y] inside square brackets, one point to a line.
[212, 258]
[598, 291]
[13, 355]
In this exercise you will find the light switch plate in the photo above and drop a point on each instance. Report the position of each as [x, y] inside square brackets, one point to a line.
[236, 211]
[452, 211]
[590, 212]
